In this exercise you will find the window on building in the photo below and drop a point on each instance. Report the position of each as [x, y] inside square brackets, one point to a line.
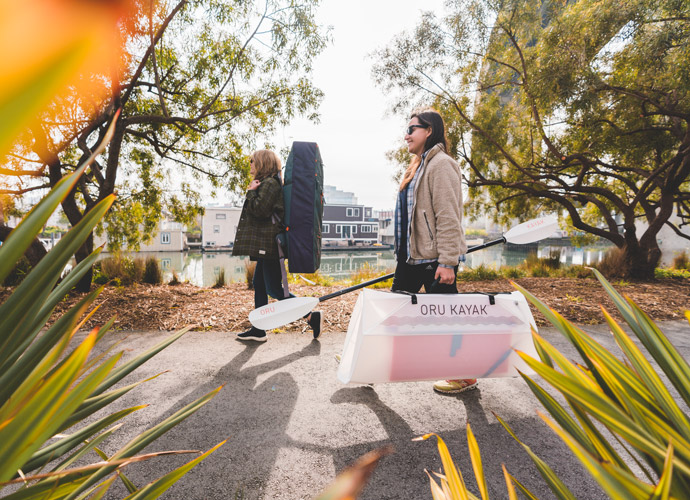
[356, 212]
[349, 212]
[165, 238]
[365, 228]
[326, 228]
[166, 263]
[338, 228]
[220, 216]
[354, 229]
[216, 229]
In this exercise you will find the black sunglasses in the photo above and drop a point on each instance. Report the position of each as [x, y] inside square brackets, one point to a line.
[411, 128]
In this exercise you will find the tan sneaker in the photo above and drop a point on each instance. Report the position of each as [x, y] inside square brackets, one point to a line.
[455, 386]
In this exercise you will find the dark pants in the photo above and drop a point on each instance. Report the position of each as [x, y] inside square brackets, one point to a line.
[268, 280]
[410, 278]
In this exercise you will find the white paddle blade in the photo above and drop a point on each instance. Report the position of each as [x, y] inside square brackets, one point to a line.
[282, 312]
[532, 230]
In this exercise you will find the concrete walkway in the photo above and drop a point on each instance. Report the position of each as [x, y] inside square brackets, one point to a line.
[291, 426]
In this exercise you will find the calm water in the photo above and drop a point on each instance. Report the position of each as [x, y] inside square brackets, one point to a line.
[203, 268]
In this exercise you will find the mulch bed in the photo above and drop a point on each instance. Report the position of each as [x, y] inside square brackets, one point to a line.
[164, 307]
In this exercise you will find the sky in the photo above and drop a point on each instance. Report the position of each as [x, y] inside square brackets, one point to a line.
[356, 129]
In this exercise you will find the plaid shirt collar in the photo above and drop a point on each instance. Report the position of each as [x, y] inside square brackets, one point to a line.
[410, 205]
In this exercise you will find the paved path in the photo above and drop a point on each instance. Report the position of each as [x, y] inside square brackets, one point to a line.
[291, 426]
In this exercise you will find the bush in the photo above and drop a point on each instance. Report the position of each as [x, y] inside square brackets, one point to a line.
[175, 280]
[681, 261]
[220, 279]
[480, 273]
[634, 401]
[578, 272]
[53, 397]
[613, 264]
[126, 269]
[513, 272]
[152, 272]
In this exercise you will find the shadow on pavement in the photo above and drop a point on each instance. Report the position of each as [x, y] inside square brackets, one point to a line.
[249, 409]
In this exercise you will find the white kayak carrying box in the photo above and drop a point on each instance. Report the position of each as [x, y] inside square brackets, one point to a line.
[399, 337]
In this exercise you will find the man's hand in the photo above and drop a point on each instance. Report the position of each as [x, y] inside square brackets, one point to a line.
[445, 275]
[253, 185]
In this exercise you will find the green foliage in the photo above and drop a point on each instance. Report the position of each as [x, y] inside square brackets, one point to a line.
[560, 107]
[475, 233]
[190, 112]
[633, 400]
[672, 273]
[50, 391]
[8, 208]
[480, 273]
[152, 272]
[364, 273]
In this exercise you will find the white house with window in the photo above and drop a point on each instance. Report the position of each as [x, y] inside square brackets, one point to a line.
[219, 226]
[170, 237]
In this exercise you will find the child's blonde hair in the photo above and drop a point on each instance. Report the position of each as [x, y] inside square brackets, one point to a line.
[266, 164]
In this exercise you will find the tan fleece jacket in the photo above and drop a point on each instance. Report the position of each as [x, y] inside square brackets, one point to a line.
[436, 220]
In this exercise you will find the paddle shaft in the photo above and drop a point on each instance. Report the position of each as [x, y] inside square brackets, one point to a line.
[389, 276]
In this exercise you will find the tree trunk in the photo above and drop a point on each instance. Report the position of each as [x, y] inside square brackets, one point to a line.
[641, 261]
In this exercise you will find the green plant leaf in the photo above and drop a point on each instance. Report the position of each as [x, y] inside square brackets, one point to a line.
[453, 475]
[63, 445]
[663, 399]
[663, 488]
[559, 414]
[95, 403]
[21, 237]
[34, 353]
[144, 439]
[601, 409]
[30, 295]
[157, 488]
[552, 480]
[616, 483]
[122, 371]
[29, 423]
[512, 495]
[23, 103]
[664, 353]
[476, 459]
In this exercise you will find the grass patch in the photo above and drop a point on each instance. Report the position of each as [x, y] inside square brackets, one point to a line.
[672, 273]
[480, 273]
[220, 279]
[121, 270]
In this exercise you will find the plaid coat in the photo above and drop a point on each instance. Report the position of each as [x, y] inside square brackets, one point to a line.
[256, 232]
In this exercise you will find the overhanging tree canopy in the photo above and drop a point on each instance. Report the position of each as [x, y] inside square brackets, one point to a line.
[552, 105]
[204, 79]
